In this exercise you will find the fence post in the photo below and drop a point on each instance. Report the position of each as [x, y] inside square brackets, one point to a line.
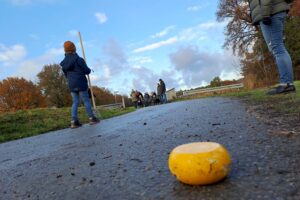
[123, 102]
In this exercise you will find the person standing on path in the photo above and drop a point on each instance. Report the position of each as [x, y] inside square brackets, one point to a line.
[159, 92]
[270, 15]
[146, 99]
[133, 98]
[75, 70]
[163, 91]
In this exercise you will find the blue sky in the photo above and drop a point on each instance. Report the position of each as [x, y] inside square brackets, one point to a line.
[129, 44]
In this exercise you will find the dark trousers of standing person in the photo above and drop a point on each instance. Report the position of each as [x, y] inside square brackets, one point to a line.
[135, 104]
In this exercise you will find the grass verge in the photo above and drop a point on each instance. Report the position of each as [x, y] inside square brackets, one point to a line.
[28, 123]
[280, 112]
[283, 103]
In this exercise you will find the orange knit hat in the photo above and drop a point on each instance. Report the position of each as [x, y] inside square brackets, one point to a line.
[69, 47]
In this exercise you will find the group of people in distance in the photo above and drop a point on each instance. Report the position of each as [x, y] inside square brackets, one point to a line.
[154, 98]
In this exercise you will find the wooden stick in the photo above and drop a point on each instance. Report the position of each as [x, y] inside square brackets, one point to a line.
[88, 77]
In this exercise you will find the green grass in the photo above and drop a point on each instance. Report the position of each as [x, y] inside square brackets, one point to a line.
[28, 123]
[283, 103]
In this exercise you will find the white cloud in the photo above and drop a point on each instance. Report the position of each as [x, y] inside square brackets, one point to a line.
[164, 32]
[31, 67]
[73, 33]
[145, 80]
[117, 71]
[12, 54]
[113, 63]
[156, 45]
[20, 66]
[101, 17]
[107, 72]
[194, 8]
[199, 67]
[140, 60]
[194, 34]
[116, 59]
[95, 78]
[201, 31]
[212, 24]
[229, 75]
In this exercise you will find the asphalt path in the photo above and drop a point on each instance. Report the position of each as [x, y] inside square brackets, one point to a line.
[126, 157]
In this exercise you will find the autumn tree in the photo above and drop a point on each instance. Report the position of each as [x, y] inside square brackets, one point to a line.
[241, 36]
[240, 33]
[258, 67]
[292, 41]
[257, 63]
[230, 82]
[295, 11]
[103, 96]
[54, 86]
[215, 82]
[19, 94]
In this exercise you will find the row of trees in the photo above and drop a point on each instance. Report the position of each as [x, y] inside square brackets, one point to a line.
[257, 63]
[216, 82]
[50, 91]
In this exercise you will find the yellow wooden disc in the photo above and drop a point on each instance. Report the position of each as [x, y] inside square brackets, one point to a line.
[200, 163]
